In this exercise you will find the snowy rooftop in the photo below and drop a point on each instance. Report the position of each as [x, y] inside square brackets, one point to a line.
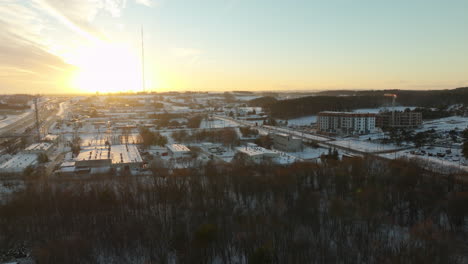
[50, 137]
[255, 150]
[335, 113]
[125, 154]
[67, 164]
[178, 148]
[117, 153]
[44, 146]
[19, 161]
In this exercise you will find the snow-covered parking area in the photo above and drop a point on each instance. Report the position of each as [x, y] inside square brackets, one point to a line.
[364, 145]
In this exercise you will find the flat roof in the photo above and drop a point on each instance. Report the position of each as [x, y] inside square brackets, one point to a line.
[50, 137]
[118, 154]
[44, 146]
[255, 151]
[67, 164]
[178, 148]
[353, 114]
[125, 154]
[19, 161]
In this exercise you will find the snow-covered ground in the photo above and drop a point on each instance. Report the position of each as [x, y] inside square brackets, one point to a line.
[453, 162]
[309, 153]
[247, 97]
[364, 145]
[446, 124]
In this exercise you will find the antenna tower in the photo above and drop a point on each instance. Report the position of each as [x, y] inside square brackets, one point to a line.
[143, 60]
[38, 126]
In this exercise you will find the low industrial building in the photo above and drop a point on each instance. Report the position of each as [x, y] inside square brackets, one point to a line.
[256, 154]
[404, 119]
[36, 148]
[347, 123]
[67, 168]
[285, 142]
[51, 138]
[102, 158]
[18, 163]
[178, 150]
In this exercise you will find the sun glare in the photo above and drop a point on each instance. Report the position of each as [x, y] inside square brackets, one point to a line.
[106, 68]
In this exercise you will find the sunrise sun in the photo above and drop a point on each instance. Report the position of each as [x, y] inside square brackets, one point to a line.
[106, 68]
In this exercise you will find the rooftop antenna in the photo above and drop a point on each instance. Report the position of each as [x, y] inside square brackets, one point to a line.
[143, 60]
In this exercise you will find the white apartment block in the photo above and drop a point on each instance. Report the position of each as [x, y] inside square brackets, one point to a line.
[348, 123]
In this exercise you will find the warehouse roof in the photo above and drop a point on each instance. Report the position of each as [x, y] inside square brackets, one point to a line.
[178, 148]
[19, 162]
[44, 146]
[116, 153]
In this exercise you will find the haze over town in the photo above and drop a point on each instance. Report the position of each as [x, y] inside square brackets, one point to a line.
[74, 46]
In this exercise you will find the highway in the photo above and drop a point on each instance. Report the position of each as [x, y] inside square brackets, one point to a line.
[20, 127]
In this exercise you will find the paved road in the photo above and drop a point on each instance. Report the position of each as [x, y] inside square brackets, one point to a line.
[19, 127]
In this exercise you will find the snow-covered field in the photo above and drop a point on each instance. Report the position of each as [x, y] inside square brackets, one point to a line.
[446, 124]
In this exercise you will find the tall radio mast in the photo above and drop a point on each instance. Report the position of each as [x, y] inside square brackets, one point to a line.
[38, 126]
[143, 60]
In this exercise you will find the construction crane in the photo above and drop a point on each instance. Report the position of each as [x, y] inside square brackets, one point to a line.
[394, 96]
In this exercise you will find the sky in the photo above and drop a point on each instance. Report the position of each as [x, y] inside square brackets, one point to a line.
[88, 46]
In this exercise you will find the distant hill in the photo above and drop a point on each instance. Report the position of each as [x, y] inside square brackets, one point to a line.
[265, 101]
[349, 100]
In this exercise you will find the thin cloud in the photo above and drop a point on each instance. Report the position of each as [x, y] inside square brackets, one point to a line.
[79, 15]
[26, 62]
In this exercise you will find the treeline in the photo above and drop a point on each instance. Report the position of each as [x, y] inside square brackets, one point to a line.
[359, 211]
[426, 98]
[152, 138]
[13, 106]
[313, 104]
[350, 100]
[167, 119]
[226, 136]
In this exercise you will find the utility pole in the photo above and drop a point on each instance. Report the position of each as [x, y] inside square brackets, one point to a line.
[38, 127]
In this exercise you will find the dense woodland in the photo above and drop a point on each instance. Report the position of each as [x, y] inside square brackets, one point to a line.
[358, 211]
[349, 100]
